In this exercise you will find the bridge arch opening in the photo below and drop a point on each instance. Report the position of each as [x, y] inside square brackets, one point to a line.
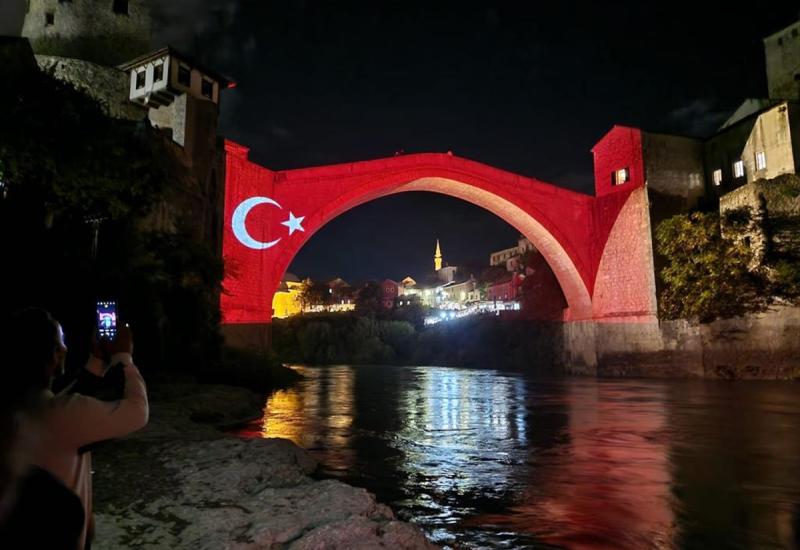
[576, 294]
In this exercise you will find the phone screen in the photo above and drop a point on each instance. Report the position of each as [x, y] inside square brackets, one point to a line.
[107, 320]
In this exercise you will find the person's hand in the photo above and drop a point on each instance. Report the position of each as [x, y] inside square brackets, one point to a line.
[96, 348]
[123, 343]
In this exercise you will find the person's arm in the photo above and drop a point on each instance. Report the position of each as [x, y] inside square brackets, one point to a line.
[89, 420]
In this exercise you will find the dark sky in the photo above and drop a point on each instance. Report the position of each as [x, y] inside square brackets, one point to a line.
[525, 86]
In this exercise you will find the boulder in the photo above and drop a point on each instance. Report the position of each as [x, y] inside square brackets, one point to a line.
[184, 484]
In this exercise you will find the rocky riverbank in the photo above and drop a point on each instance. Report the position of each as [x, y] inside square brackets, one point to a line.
[182, 483]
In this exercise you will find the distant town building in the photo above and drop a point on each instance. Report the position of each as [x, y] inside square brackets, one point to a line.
[511, 258]
[286, 301]
[458, 294]
[504, 289]
[343, 296]
[391, 290]
[447, 274]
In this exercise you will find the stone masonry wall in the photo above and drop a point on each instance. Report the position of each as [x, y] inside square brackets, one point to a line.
[89, 29]
[106, 85]
[763, 346]
[624, 289]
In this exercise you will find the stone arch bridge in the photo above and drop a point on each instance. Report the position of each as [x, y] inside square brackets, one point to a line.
[599, 247]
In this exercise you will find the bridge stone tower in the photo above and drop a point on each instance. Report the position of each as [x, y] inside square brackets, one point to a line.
[107, 32]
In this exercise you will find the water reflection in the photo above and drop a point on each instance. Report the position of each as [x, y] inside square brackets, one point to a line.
[607, 485]
[490, 459]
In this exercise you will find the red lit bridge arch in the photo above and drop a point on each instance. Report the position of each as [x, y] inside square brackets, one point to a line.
[599, 247]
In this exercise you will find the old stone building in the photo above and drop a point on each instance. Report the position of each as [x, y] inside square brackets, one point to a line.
[762, 145]
[104, 49]
[782, 51]
[107, 32]
[738, 166]
[511, 258]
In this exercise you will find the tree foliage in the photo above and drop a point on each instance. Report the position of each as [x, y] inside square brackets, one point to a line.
[369, 300]
[314, 293]
[706, 276]
[63, 161]
[58, 148]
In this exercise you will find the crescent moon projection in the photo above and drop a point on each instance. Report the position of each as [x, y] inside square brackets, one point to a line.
[240, 217]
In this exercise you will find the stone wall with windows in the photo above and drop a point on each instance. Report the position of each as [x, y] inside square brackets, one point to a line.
[104, 31]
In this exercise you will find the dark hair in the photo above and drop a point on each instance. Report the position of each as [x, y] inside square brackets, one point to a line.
[27, 343]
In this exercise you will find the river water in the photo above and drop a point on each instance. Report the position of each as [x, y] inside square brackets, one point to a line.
[492, 459]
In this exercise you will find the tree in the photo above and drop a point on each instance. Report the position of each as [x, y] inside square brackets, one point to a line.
[705, 275]
[314, 294]
[62, 161]
[58, 149]
[370, 299]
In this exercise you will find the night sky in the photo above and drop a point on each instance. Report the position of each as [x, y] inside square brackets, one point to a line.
[525, 86]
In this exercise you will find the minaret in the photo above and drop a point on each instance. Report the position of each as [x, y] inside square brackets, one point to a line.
[437, 258]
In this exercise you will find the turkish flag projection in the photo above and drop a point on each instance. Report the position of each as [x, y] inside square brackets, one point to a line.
[269, 215]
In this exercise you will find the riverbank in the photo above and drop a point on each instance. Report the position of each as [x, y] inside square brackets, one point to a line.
[182, 483]
[760, 346]
[484, 341]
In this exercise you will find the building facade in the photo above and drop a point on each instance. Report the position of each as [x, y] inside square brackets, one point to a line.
[286, 301]
[782, 52]
[511, 258]
[107, 32]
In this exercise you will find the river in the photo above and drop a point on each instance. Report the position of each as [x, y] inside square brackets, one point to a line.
[493, 459]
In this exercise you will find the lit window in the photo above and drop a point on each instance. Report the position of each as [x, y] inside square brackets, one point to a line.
[158, 72]
[761, 160]
[184, 75]
[618, 177]
[141, 78]
[49, 19]
[717, 176]
[207, 88]
[738, 169]
[120, 7]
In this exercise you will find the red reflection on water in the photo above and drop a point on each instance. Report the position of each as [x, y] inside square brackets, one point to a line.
[608, 485]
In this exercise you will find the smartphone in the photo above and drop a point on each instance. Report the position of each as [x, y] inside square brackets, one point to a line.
[106, 320]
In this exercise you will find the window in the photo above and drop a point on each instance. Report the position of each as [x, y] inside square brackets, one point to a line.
[158, 72]
[49, 19]
[717, 177]
[738, 169]
[618, 177]
[761, 160]
[141, 79]
[184, 75]
[207, 88]
[120, 7]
